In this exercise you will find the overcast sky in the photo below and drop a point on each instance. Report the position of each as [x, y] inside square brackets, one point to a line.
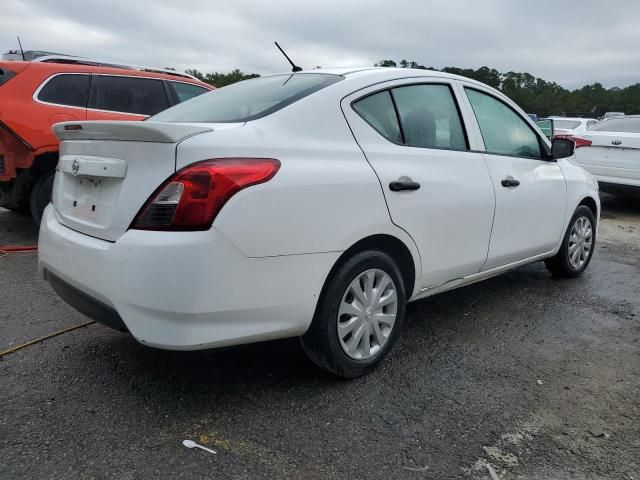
[570, 42]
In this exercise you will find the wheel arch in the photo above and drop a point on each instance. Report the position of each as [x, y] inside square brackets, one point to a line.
[392, 246]
[590, 203]
[43, 163]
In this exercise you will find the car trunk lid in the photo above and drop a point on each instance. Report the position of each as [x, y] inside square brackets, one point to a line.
[613, 149]
[107, 170]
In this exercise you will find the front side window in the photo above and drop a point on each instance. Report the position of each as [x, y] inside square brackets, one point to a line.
[249, 99]
[429, 117]
[66, 89]
[378, 111]
[141, 96]
[504, 132]
[187, 91]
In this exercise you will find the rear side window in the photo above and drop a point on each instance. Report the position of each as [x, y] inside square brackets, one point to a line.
[249, 99]
[66, 89]
[622, 125]
[186, 91]
[429, 117]
[566, 124]
[378, 111]
[142, 96]
[504, 132]
[5, 75]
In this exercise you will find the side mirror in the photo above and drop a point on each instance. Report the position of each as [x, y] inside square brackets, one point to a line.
[546, 127]
[562, 148]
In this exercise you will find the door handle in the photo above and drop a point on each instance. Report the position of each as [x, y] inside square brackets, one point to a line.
[510, 182]
[400, 185]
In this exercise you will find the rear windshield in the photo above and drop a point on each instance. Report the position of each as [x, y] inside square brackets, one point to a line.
[247, 100]
[629, 125]
[566, 124]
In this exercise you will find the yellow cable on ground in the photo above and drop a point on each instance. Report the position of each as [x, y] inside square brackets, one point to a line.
[46, 337]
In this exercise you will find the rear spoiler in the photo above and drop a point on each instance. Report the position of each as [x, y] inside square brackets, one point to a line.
[128, 131]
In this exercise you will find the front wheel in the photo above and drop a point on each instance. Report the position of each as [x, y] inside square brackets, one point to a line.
[359, 316]
[577, 246]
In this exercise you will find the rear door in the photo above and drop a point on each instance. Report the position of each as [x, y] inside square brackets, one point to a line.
[530, 188]
[436, 188]
[115, 97]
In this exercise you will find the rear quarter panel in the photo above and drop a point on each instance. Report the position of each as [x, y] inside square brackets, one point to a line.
[324, 198]
[30, 119]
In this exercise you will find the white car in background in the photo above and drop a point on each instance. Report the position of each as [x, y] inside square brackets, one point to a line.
[313, 204]
[610, 115]
[570, 126]
[611, 152]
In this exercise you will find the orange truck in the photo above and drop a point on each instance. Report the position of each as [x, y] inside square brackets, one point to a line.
[36, 94]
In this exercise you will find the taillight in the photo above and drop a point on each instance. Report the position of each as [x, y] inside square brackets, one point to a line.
[193, 196]
[581, 142]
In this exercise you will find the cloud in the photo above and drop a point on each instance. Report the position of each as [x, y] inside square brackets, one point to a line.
[553, 39]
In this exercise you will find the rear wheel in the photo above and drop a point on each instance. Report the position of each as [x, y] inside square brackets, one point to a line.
[41, 195]
[577, 246]
[359, 317]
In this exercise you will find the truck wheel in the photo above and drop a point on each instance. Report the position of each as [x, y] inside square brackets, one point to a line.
[41, 195]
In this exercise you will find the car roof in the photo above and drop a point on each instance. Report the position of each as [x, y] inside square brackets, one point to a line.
[55, 67]
[582, 119]
[385, 71]
[373, 75]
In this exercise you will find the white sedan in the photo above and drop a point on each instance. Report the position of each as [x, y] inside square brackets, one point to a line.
[611, 152]
[313, 204]
[568, 126]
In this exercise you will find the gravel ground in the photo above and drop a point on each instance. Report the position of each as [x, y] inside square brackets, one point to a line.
[538, 376]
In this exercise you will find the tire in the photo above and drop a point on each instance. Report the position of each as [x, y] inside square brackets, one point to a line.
[41, 195]
[563, 263]
[339, 305]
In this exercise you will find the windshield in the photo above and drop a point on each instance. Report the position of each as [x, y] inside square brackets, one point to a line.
[566, 124]
[628, 125]
[247, 100]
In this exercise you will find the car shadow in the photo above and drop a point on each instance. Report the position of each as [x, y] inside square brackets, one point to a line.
[432, 326]
[17, 229]
[617, 206]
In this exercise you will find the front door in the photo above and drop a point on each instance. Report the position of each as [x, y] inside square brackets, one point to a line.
[530, 188]
[436, 189]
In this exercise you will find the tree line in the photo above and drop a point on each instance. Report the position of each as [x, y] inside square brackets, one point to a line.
[222, 79]
[533, 94]
[536, 95]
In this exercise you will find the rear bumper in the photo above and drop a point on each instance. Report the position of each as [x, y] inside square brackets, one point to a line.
[82, 302]
[182, 290]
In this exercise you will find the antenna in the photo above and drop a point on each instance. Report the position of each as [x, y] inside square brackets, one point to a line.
[295, 67]
[21, 50]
